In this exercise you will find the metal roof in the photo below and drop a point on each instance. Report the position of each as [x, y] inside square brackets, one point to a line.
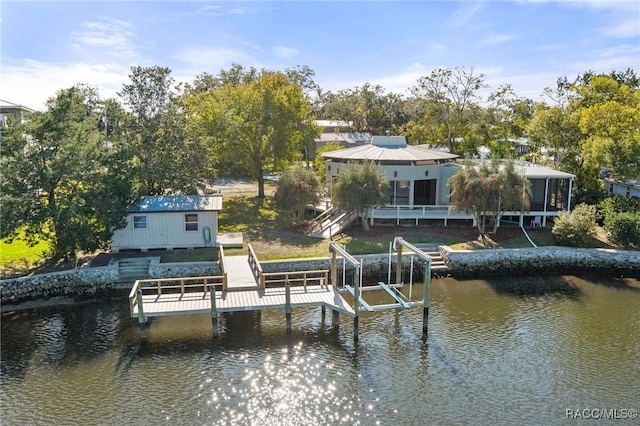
[406, 153]
[534, 171]
[177, 203]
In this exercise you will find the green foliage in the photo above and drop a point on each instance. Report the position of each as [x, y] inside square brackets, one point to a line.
[621, 217]
[167, 158]
[63, 186]
[257, 124]
[577, 228]
[448, 112]
[298, 187]
[359, 187]
[487, 191]
[624, 228]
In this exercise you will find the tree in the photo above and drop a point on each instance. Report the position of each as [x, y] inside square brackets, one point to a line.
[360, 187]
[61, 184]
[368, 108]
[167, 160]
[298, 188]
[449, 97]
[505, 118]
[487, 191]
[255, 126]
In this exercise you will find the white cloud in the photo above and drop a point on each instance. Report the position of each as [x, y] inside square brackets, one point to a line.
[111, 36]
[464, 14]
[284, 52]
[198, 59]
[29, 82]
[498, 39]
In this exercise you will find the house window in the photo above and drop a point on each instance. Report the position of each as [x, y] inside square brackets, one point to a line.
[191, 222]
[140, 222]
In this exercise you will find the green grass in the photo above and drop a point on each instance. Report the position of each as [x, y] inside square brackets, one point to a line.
[19, 255]
[209, 254]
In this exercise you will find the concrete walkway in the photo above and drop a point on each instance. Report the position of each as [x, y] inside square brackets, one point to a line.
[239, 274]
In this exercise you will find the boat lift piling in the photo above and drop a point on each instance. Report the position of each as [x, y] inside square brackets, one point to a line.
[398, 243]
[336, 250]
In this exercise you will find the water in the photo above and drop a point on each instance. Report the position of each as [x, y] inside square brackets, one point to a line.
[500, 352]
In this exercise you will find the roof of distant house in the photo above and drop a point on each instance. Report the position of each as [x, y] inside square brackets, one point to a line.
[177, 203]
[390, 148]
[333, 123]
[350, 138]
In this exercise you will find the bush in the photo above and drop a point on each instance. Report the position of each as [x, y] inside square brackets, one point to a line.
[624, 228]
[577, 228]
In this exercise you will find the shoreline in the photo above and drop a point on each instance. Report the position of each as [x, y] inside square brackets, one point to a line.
[91, 283]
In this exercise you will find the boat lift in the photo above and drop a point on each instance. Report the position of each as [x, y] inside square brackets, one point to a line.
[400, 300]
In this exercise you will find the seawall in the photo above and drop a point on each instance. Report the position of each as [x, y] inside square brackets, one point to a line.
[88, 282]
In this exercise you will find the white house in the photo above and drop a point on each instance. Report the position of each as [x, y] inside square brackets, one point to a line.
[418, 188]
[627, 189]
[170, 222]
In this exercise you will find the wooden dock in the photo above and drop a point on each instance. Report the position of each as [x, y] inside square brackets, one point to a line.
[244, 286]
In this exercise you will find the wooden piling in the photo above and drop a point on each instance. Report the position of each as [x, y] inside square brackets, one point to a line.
[287, 305]
[335, 321]
[142, 321]
[214, 310]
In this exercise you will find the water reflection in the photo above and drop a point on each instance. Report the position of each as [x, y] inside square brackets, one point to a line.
[494, 354]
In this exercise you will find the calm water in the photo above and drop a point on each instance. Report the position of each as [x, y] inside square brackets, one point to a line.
[497, 353]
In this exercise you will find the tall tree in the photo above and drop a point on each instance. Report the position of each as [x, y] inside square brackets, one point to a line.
[60, 183]
[487, 191]
[360, 187]
[450, 105]
[256, 126]
[297, 188]
[368, 108]
[167, 160]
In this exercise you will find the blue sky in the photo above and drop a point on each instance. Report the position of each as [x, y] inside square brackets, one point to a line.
[50, 45]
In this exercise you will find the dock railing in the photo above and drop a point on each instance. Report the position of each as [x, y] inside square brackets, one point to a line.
[320, 276]
[222, 268]
[183, 285]
[255, 266]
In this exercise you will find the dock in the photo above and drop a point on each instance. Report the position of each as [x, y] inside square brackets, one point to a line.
[243, 286]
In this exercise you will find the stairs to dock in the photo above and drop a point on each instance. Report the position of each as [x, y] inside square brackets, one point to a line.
[437, 262]
[134, 268]
[331, 222]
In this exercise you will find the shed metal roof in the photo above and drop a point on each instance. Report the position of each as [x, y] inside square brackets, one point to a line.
[177, 203]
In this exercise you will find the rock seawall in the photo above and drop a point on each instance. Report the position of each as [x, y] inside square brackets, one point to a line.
[541, 261]
[85, 283]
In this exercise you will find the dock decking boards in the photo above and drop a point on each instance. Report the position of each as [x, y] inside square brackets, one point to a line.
[155, 305]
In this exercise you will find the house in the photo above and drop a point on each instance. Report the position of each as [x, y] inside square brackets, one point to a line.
[170, 222]
[339, 131]
[627, 189]
[9, 110]
[418, 182]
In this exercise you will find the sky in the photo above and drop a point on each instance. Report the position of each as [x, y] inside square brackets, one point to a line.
[47, 46]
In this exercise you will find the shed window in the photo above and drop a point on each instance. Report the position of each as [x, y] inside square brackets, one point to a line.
[191, 222]
[140, 222]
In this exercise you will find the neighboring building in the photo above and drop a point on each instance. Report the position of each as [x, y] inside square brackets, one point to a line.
[626, 189]
[170, 222]
[418, 187]
[339, 132]
[9, 110]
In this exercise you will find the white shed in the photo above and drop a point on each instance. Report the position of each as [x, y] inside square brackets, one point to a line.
[170, 222]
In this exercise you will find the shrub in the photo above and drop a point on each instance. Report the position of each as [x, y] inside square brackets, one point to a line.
[624, 228]
[577, 228]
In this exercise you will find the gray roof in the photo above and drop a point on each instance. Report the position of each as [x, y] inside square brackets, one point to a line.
[408, 153]
[534, 171]
[177, 203]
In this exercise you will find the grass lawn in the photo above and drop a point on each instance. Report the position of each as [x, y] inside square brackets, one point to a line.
[272, 238]
[19, 256]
